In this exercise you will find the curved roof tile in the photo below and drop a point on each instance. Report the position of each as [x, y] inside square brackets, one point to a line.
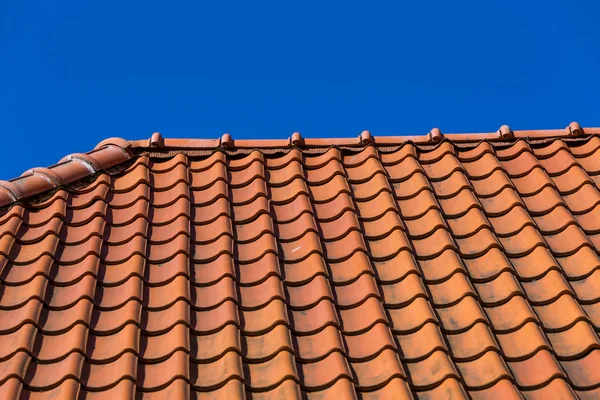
[434, 266]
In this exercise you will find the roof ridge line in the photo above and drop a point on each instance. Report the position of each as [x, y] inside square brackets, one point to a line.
[296, 139]
[69, 169]
[113, 151]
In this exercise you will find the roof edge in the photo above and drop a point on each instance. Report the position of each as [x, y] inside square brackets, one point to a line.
[69, 169]
[114, 151]
[296, 140]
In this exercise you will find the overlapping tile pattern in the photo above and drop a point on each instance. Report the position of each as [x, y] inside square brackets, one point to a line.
[446, 273]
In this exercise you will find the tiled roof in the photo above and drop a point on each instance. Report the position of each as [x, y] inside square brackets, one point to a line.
[377, 267]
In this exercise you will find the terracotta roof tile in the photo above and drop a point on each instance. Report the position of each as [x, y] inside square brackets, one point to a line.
[463, 266]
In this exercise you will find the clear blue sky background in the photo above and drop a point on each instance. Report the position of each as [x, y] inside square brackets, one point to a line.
[75, 72]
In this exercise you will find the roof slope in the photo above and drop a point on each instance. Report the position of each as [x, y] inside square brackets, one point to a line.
[376, 267]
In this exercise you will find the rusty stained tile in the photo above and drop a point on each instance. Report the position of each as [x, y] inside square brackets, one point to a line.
[424, 273]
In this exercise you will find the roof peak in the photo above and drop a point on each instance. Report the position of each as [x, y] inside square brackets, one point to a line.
[113, 151]
[365, 137]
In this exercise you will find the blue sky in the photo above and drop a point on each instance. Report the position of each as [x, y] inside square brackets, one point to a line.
[73, 73]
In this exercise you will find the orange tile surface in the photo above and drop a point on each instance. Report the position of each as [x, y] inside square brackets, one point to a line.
[176, 269]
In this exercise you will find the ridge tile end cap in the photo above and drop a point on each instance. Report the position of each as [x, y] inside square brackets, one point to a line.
[156, 140]
[574, 129]
[296, 140]
[226, 141]
[505, 132]
[115, 141]
[435, 135]
[366, 137]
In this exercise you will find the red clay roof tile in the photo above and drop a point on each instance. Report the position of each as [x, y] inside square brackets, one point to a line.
[370, 267]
